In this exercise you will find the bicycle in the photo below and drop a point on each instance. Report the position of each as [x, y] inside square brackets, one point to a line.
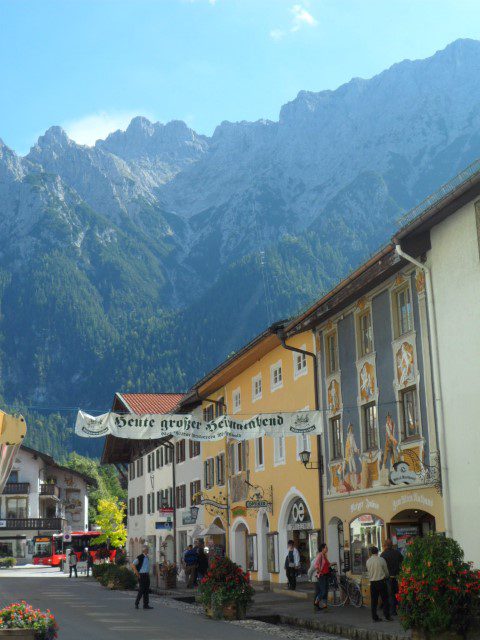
[343, 589]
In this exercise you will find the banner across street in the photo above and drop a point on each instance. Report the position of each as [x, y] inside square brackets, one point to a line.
[154, 426]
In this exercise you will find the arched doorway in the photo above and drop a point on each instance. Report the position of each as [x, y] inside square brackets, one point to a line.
[295, 522]
[239, 543]
[263, 527]
[410, 523]
[335, 541]
[366, 530]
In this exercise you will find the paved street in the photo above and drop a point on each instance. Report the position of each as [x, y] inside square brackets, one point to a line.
[85, 610]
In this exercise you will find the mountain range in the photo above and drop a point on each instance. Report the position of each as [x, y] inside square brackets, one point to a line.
[141, 262]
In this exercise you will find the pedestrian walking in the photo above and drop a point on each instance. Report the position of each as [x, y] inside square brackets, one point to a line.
[378, 575]
[89, 562]
[72, 563]
[202, 566]
[141, 568]
[190, 558]
[292, 565]
[394, 560]
[322, 568]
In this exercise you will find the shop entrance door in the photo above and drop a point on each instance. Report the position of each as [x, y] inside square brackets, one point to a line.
[409, 524]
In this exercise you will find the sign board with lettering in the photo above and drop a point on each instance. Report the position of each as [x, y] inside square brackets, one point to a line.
[402, 474]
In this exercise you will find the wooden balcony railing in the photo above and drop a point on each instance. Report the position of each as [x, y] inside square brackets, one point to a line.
[49, 490]
[16, 488]
[38, 524]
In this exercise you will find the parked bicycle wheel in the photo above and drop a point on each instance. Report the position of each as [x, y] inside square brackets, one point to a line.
[354, 594]
[338, 593]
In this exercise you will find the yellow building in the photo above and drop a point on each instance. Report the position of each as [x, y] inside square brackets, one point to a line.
[257, 491]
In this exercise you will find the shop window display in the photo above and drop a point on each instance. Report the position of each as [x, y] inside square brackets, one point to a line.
[365, 531]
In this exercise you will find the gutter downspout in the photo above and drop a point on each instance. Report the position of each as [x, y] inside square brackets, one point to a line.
[438, 402]
[312, 355]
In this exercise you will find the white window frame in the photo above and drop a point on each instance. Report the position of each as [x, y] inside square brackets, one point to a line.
[236, 393]
[258, 466]
[279, 384]
[277, 458]
[302, 358]
[405, 288]
[257, 395]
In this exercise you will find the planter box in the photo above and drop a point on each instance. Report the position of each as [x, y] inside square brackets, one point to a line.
[18, 634]
[228, 612]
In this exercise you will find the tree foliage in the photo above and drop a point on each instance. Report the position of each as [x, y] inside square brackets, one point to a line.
[110, 519]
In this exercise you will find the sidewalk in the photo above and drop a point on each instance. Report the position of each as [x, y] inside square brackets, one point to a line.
[296, 609]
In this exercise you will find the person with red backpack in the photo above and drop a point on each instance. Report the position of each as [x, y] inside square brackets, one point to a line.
[322, 567]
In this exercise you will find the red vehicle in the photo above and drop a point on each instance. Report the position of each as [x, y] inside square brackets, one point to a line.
[50, 549]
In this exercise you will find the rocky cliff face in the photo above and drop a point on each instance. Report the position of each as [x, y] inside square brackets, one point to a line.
[140, 262]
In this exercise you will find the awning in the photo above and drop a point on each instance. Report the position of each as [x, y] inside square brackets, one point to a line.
[213, 530]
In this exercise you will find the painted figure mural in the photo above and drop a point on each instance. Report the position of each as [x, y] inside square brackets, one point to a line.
[333, 396]
[404, 361]
[367, 382]
[391, 444]
[351, 473]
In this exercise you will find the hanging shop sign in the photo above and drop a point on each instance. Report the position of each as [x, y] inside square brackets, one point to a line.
[257, 504]
[155, 426]
[187, 518]
[164, 525]
[259, 498]
[402, 474]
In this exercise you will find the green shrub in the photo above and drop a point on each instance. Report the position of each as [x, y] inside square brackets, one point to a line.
[5, 563]
[225, 583]
[438, 590]
[114, 576]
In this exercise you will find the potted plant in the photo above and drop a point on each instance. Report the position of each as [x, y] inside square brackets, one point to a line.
[225, 591]
[168, 575]
[438, 591]
[21, 621]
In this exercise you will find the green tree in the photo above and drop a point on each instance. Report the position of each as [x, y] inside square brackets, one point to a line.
[106, 478]
[110, 520]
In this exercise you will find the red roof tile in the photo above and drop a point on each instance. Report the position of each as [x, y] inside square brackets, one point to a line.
[141, 403]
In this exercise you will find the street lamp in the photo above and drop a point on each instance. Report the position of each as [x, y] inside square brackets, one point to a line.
[305, 460]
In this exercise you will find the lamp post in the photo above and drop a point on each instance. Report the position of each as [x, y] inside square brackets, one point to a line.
[305, 460]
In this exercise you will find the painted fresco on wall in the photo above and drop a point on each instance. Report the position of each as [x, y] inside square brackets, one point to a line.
[73, 504]
[351, 461]
[367, 382]
[391, 453]
[405, 364]
[333, 396]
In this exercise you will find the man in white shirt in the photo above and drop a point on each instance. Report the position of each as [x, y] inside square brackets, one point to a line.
[292, 565]
[378, 575]
[141, 568]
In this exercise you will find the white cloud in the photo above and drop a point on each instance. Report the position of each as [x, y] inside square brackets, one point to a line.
[90, 128]
[301, 17]
[277, 34]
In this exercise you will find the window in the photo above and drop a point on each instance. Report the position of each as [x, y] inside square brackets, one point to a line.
[149, 463]
[181, 497]
[194, 448]
[279, 450]
[131, 507]
[410, 426]
[157, 458]
[208, 471]
[236, 401]
[208, 413]
[195, 489]
[303, 444]
[259, 461]
[180, 451]
[256, 387]
[13, 477]
[239, 457]
[159, 500]
[403, 311]
[220, 407]
[276, 379]
[272, 552]
[336, 438]
[139, 505]
[169, 494]
[168, 455]
[220, 472]
[370, 425]
[132, 471]
[252, 552]
[365, 531]
[331, 352]
[149, 505]
[17, 508]
[300, 363]
[365, 333]
[139, 467]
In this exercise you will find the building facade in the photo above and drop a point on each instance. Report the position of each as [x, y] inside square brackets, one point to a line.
[257, 493]
[40, 496]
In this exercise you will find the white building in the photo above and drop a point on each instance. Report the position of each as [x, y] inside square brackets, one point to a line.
[40, 496]
[443, 236]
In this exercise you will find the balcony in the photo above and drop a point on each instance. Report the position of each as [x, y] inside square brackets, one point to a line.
[16, 488]
[37, 524]
[49, 490]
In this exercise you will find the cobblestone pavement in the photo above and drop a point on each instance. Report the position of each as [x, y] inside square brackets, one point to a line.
[85, 610]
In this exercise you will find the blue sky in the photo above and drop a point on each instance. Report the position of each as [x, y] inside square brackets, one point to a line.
[91, 65]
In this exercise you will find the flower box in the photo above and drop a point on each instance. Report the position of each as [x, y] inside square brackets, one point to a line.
[18, 634]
